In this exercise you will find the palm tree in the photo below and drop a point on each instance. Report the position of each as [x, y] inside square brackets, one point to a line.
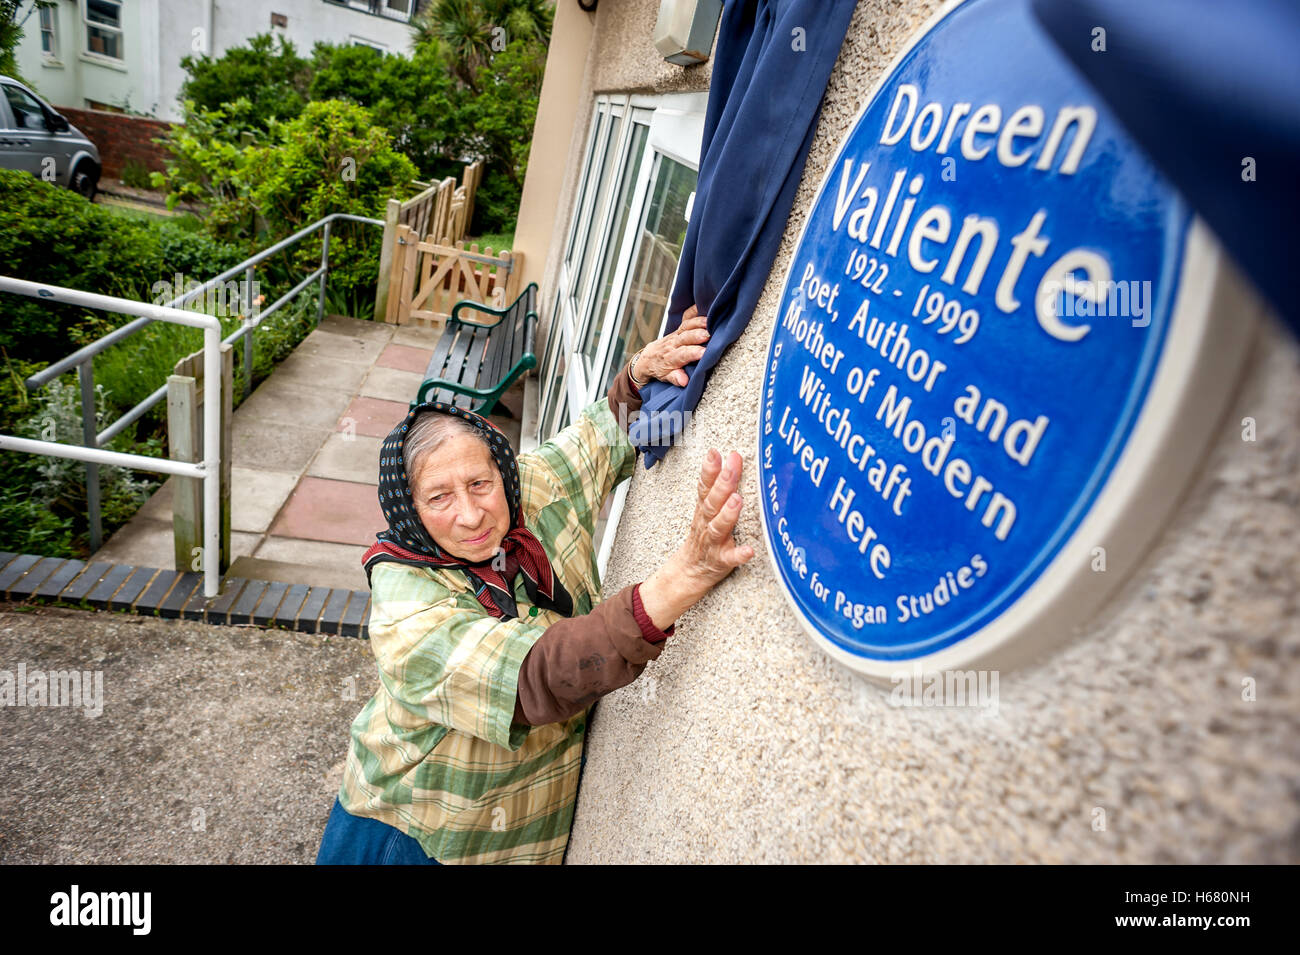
[469, 31]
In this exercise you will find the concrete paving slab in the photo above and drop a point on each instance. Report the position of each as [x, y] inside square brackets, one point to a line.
[273, 447]
[140, 541]
[359, 327]
[348, 457]
[145, 542]
[159, 505]
[391, 384]
[348, 574]
[373, 417]
[256, 741]
[341, 561]
[406, 358]
[324, 510]
[292, 402]
[338, 345]
[418, 336]
[326, 374]
[256, 497]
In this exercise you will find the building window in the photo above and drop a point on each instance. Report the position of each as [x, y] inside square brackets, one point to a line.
[49, 33]
[391, 9]
[621, 254]
[103, 19]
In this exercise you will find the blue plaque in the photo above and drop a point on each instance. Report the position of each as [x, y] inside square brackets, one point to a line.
[994, 363]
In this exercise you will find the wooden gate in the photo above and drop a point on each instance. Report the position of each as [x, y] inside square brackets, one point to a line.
[441, 213]
[428, 278]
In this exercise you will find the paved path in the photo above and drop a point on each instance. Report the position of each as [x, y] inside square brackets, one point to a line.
[211, 744]
[306, 458]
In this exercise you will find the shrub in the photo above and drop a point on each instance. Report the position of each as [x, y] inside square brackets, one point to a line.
[51, 234]
[268, 72]
[136, 175]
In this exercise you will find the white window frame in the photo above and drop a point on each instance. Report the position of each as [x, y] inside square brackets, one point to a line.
[87, 24]
[52, 28]
[676, 126]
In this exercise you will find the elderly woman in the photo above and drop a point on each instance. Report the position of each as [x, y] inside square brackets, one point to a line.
[484, 622]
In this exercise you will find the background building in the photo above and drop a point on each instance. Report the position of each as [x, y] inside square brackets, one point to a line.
[125, 54]
[744, 742]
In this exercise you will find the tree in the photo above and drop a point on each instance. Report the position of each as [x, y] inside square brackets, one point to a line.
[414, 98]
[469, 32]
[12, 19]
[268, 72]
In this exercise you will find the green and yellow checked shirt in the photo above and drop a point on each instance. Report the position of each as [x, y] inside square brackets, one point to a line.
[435, 752]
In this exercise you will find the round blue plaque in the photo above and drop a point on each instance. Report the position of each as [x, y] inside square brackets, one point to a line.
[993, 365]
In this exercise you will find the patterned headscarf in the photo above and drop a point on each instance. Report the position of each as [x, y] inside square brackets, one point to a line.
[406, 541]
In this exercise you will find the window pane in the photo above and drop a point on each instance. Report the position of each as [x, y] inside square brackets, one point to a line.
[584, 193]
[596, 319]
[27, 112]
[655, 264]
[608, 162]
[47, 31]
[104, 11]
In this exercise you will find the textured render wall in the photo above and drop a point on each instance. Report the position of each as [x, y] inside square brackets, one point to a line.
[755, 747]
[622, 59]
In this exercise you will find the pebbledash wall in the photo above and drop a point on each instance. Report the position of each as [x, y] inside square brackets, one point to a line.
[744, 742]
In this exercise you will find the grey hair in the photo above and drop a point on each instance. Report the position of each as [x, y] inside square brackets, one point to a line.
[429, 430]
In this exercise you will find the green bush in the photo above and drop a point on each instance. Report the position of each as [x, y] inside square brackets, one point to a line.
[268, 72]
[136, 175]
[51, 234]
[413, 98]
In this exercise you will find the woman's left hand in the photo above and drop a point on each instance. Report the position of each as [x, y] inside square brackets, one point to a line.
[664, 358]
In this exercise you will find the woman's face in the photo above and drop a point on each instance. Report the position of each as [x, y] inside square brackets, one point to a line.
[460, 499]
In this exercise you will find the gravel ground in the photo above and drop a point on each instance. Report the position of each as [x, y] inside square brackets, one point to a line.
[214, 745]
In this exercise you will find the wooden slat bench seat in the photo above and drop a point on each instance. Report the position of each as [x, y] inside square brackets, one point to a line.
[474, 362]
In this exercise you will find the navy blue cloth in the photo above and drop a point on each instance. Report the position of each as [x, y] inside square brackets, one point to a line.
[771, 64]
[360, 840]
[1202, 85]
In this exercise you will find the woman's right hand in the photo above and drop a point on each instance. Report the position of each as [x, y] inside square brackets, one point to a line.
[709, 552]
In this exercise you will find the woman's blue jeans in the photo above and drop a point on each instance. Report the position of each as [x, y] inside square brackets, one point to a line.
[359, 840]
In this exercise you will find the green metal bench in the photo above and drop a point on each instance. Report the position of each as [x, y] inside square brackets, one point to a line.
[475, 363]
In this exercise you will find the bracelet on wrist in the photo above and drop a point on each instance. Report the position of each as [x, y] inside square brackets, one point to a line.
[632, 364]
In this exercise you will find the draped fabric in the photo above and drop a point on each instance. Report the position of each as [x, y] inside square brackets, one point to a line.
[1212, 92]
[407, 541]
[771, 64]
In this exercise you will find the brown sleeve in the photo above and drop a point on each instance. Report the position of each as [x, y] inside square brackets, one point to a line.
[580, 659]
[624, 397]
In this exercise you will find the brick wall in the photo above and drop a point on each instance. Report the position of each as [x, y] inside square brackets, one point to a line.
[120, 138]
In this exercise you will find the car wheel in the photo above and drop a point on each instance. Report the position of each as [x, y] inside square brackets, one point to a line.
[85, 181]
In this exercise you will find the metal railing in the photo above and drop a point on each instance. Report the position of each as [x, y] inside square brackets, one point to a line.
[83, 361]
[208, 470]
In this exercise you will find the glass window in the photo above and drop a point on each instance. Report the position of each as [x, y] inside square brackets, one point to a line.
[609, 161]
[27, 112]
[49, 33]
[584, 193]
[104, 28]
[596, 313]
[659, 246]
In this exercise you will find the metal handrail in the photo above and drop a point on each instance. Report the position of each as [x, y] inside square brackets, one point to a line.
[83, 358]
[208, 470]
[63, 365]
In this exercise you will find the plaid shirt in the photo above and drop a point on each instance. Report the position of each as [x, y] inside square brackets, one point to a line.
[435, 752]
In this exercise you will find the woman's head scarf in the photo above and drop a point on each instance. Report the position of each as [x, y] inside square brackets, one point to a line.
[406, 541]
